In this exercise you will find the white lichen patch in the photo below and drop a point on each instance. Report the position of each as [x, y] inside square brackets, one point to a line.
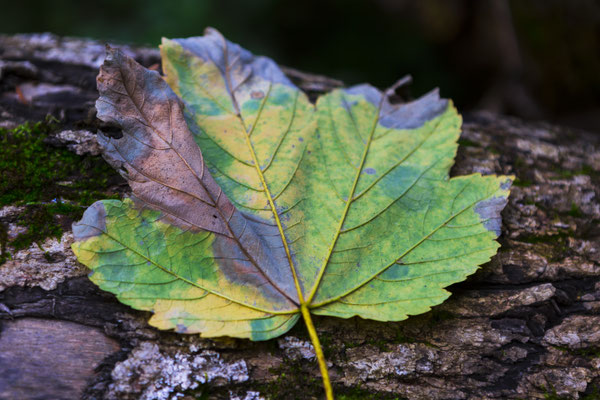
[10, 211]
[150, 374]
[575, 332]
[250, 395]
[368, 363]
[45, 265]
[295, 348]
[79, 141]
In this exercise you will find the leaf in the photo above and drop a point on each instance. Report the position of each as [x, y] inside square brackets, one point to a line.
[343, 208]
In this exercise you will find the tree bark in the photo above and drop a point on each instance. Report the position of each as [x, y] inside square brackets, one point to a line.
[526, 325]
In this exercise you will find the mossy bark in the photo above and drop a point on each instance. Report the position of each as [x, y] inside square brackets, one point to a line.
[527, 325]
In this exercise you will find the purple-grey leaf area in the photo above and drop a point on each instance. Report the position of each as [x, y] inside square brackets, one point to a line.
[409, 115]
[489, 210]
[93, 222]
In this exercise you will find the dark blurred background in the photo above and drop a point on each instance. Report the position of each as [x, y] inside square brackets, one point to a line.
[536, 59]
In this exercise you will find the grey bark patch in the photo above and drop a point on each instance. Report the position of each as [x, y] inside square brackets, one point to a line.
[575, 332]
[489, 212]
[402, 116]
[49, 359]
[64, 50]
[93, 222]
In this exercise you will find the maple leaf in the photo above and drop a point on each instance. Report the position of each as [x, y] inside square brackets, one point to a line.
[251, 206]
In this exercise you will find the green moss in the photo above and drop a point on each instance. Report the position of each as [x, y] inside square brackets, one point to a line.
[357, 393]
[521, 170]
[552, 396]
[401, 338]
[54, 184]
[202, 392]
[493, 150]
[438, 315]
[557, 244]
[468, 143]
[34, 171]
[567, 174]
[552, 239]
[520, 163]
[40, 223]
[590, 352]
[292, 382]
[326, 344]
[4, 255]
[522, 182]
[593, 393]
[575, 211]
[381, 344]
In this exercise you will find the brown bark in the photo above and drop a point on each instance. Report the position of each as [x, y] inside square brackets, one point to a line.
[526, 325]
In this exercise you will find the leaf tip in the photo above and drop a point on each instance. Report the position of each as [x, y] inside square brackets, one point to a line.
[209, 31]
[406, 80]
[111, 52]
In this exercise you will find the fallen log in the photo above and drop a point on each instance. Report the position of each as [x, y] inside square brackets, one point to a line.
[526, 325]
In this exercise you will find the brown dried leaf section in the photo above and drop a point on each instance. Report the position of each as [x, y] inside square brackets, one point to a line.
[157, 146]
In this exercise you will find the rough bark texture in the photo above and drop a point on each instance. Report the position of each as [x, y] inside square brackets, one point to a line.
[525, 326]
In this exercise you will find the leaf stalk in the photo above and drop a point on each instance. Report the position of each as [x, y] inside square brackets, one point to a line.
[312, 332]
